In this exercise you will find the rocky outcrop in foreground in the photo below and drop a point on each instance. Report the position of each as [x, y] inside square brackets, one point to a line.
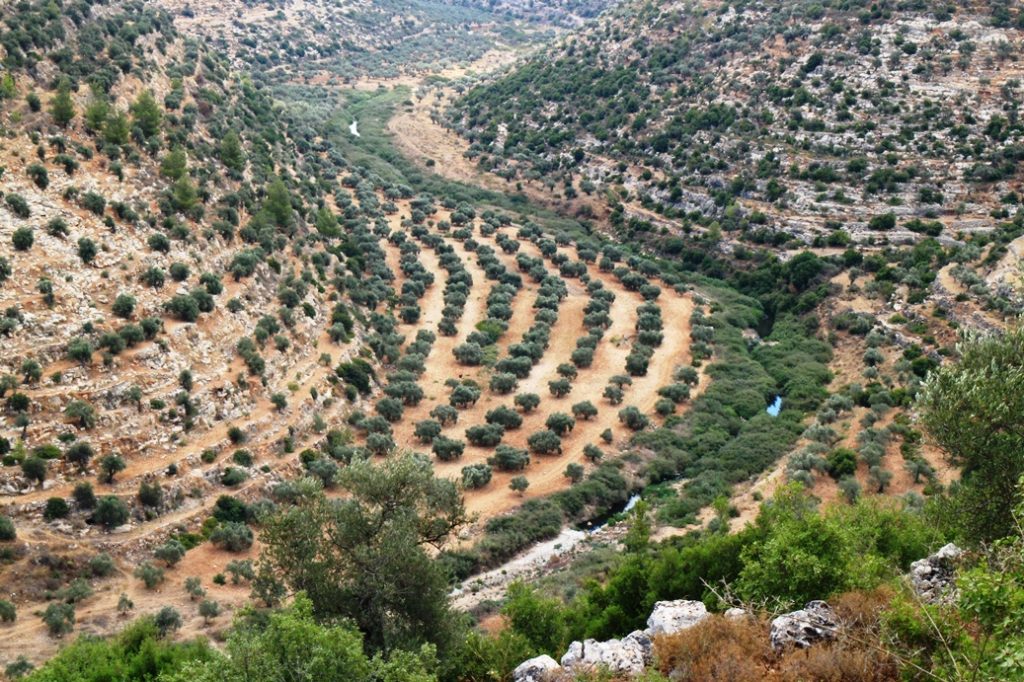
[626, 656]
[814, 623]
[933, 577]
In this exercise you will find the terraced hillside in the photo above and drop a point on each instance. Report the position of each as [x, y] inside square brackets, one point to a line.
[802, 122]
[690, 254]
[190, 327]
[524, 330]
[341, 41]
[869, 149]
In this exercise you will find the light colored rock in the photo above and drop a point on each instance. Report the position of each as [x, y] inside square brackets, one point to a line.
[669, 617]
[535, 669]
[621, 657]
[933, 577]
[814, 623]
[736, 613]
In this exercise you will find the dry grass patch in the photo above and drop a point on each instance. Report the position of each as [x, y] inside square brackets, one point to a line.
[737, 650]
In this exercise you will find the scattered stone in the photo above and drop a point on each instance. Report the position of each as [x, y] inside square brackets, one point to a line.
[814, 623]
[934, 576]
[626, 656]
[669, 617]
[736, 613]
[535, 669]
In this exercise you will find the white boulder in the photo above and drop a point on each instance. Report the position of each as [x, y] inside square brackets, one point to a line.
[535, 669]
[626, 656]
[669, 617]
[813, 623]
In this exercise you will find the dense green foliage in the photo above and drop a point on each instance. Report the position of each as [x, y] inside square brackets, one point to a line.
[139, 652]
[985, 384]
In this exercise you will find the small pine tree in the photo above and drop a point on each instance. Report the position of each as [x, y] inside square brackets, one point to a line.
[61, 107]
[146, 114]
[231, 154]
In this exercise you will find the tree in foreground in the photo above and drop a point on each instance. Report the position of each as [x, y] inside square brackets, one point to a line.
[973, 409]
[364, 556]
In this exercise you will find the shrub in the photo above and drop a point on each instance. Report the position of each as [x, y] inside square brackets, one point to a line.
[209, 609]
[59, 618]
[149, 574]
[527, 402]
[7, 532]
[150, 493]
[84, 495]
[574, 472]
[426, 430]
[87, 250]
[883, 222]
[39, 175]
[448, 449]
[584, 410]
[184, 307]
[485, 435]
[167, 620]
[544, 442]
[110, 512]
[560, 423]
[91, 201]
[232, 536]
[233, 476]
[842, 462]
[22, 239]
[101, 565]
[34, 468]
[505, 417]
[508, 458]
[560, 387]
[476, 476]
[633, 418]
[171, 552]
[519, 484]
[124, 306]
[445, 414]
[19, 207]
[7, 611]
[56, 508]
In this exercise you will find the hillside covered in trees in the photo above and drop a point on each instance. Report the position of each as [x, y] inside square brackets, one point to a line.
[735, 324]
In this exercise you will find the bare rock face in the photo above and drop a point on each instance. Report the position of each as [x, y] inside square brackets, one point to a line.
[814, 623]
[933, 577]
[669, 617]
[626, 656]
[629, 655]
[535, 669]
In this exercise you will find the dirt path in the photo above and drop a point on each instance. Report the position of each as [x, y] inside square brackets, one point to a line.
[420, 137]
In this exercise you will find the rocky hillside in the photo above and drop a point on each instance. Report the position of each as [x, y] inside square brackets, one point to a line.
[858, 160]
[329, 40]
[822, 120]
